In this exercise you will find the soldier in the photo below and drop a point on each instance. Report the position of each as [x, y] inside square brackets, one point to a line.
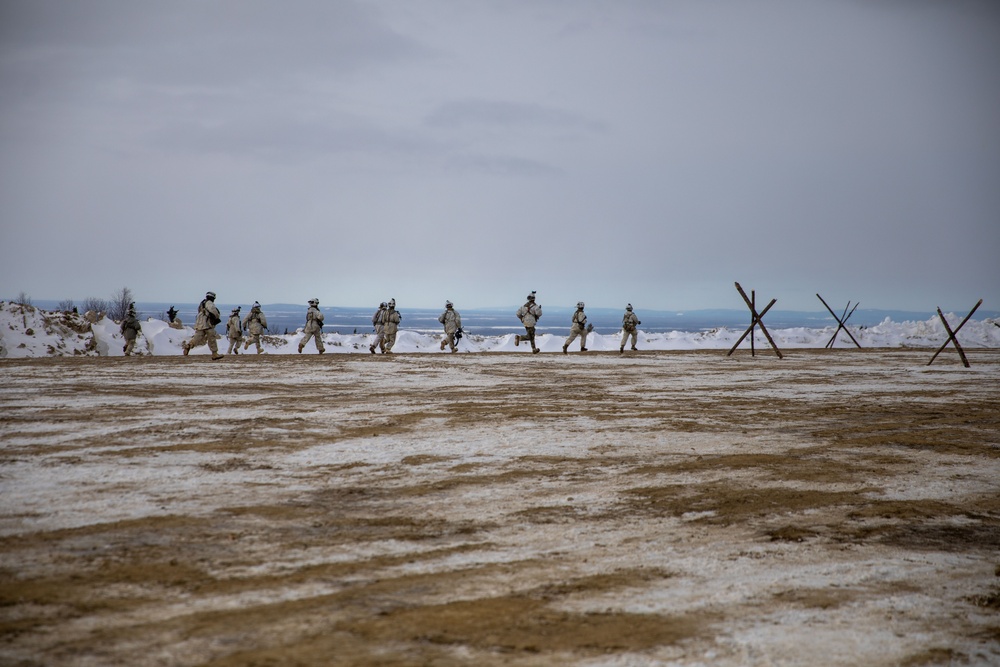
[578, 328]
[204, 326]
[452, 321]
[379, 329]
[629, 323]
[529, 314]
[390, 321]
[130, 329]
[234, 330]
[173, 320]
[255, 323]
[314, 327]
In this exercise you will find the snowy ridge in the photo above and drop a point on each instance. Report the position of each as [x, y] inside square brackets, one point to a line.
[26, 331]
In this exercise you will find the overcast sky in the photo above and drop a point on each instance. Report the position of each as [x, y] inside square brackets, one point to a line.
[610, 151]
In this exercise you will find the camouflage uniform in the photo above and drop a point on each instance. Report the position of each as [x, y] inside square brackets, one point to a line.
[452, 321]
[204, 326]
[577, 328]
[130, 330]
[629, 323]
[234, 330]
[254, 323]
[314, 327]
[379, 328]
[529, 314]
[390, 321]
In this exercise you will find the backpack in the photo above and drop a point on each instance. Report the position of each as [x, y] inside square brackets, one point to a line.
[213, 319]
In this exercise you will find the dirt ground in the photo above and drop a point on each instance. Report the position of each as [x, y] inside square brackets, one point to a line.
[833, 507]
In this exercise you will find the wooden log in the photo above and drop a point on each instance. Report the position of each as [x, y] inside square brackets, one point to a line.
[845, 324]
[767, 334]
[952, 334]
[841, 321]
[755, 320]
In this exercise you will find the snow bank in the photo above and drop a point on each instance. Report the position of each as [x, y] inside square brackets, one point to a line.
[26, 331]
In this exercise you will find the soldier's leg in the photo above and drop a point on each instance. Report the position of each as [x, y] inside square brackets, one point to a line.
[197, 339]
[583, 340]
[572, 337]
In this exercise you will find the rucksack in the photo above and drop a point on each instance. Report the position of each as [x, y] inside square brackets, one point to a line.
[213, 319]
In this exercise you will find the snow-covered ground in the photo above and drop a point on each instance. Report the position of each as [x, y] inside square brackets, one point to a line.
[28, 332]
[673, 508]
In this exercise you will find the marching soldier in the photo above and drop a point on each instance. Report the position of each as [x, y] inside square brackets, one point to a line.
[578, 328]
[130, 330]
[314, 327]
[629, 323]
[452, 321]
[529, 314]
[255, 322]
[377, 322]
[234, 331]
[204, 326]
[390, 321]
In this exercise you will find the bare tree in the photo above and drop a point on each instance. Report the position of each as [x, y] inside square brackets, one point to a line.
[96, 305]
[120, 301]
[23, 299]
[66, 305]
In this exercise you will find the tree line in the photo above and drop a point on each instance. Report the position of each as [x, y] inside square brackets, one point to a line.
[115, 307]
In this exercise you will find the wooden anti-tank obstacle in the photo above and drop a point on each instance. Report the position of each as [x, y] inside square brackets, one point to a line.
[952, 335]
[755, 320]
[841, 322]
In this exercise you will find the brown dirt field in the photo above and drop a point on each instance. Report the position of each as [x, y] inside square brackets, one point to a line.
[833, 507]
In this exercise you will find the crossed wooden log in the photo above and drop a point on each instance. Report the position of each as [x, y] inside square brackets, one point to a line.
[841, 321]
[755, 320]
[952, 335]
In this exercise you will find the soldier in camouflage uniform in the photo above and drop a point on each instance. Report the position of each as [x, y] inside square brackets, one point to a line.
[255, 322]
[234, 331]
[579, 328]
[314, 327]
[630, 322]
[529, 314]
[204, 326]
[130, 330]
[390, 322]
[377, 322]
[452, 322]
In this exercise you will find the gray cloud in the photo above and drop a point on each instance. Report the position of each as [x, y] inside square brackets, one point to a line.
[466, 113]
[500, 165]
[642, 150]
